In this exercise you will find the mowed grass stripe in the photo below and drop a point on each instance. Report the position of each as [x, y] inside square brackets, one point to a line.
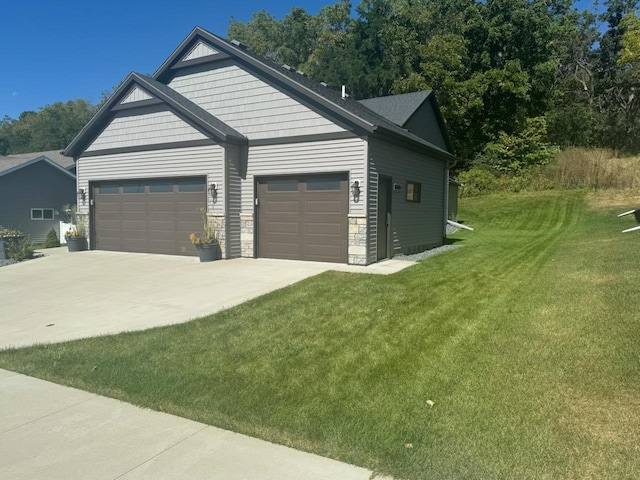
[526, 339]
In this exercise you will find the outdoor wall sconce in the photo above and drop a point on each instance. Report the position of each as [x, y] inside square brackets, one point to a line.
[213, 189]
[82, 194]
[355, 190]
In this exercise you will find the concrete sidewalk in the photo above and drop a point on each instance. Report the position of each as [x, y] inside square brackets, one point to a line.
[55, 432]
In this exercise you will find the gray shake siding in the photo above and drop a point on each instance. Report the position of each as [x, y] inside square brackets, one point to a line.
[176, 162]
[136, 95]
[250, 105]
[147, 129]
[415, 226]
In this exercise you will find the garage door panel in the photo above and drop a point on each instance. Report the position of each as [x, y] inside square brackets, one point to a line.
[130, 208]
[308, 221]
[326, 206]
[287, 206]
[285, 250]
[150, 216]
[321, 251]
[323, 229]
[133, 226]
[283, 228]
[134, 245]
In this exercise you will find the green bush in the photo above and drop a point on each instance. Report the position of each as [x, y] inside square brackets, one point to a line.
[20, 250]
[52, 240]
[514, 154]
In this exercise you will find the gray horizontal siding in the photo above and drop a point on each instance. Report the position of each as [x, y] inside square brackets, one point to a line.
[147, 129]
[250, 105]
[234, 200]
[344, 155]
[178, 162]
[413, 224]
[136, 95]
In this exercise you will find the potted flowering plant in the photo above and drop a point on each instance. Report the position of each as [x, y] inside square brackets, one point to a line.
[206, 242]
[76, 236]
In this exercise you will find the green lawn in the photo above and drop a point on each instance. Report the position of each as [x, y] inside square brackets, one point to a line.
[527, 339]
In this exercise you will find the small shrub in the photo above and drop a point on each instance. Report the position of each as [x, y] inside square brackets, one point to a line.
[20, 250]
[52, 240]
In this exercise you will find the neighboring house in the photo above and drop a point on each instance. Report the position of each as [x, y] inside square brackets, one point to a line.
[286, 167]
[33, 186]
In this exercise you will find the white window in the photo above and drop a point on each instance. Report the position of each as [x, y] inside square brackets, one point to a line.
[42, 214]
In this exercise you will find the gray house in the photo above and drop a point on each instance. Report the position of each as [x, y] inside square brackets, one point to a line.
[32, 187]
[285, 167]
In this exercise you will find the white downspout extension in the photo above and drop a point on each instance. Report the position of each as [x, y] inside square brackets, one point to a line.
[448, 166]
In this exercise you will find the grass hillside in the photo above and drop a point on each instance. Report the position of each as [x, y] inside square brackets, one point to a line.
[527, 340]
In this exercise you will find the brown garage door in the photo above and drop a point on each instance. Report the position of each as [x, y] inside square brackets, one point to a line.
[304, 218]
[148, 216]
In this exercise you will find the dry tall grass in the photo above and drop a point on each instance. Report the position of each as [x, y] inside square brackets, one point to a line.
[594, 169]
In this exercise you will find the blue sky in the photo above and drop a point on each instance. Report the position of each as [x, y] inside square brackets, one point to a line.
[59, 50]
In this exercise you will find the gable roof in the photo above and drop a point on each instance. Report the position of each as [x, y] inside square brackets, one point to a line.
[184, 108]
[356, 116]
[347, 109]
[11, 163]
[400, 108]
[397, 108]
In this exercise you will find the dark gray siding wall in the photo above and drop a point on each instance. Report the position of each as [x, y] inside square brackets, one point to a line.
[36, 186]
[424, 124]
[415, 226]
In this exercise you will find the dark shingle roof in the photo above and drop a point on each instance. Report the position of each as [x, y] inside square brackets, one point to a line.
[10, 163]
[185, 108]
[355, 111]
[195, 111]
[397, 108]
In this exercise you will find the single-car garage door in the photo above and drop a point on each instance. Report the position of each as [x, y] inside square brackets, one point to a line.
[304, 217]
[148, 216]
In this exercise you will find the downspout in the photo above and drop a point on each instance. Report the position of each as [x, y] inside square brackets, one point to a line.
[450, 164]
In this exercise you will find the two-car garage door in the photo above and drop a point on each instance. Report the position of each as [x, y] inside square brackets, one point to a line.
[299, 218]
[303, 217]
[148, 216]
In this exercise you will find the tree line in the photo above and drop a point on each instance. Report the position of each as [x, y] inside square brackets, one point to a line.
[515, 79]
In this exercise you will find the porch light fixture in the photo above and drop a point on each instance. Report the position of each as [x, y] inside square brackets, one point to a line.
[213, 189]
[82, 194]
[355, 190]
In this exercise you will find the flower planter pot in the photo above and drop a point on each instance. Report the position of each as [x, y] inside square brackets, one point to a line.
[77, 244]
[208, 252]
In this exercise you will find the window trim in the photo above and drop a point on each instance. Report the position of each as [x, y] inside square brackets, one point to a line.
[416, 192]
[42, 210]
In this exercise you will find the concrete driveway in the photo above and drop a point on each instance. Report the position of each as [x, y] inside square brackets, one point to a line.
[65, 296]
